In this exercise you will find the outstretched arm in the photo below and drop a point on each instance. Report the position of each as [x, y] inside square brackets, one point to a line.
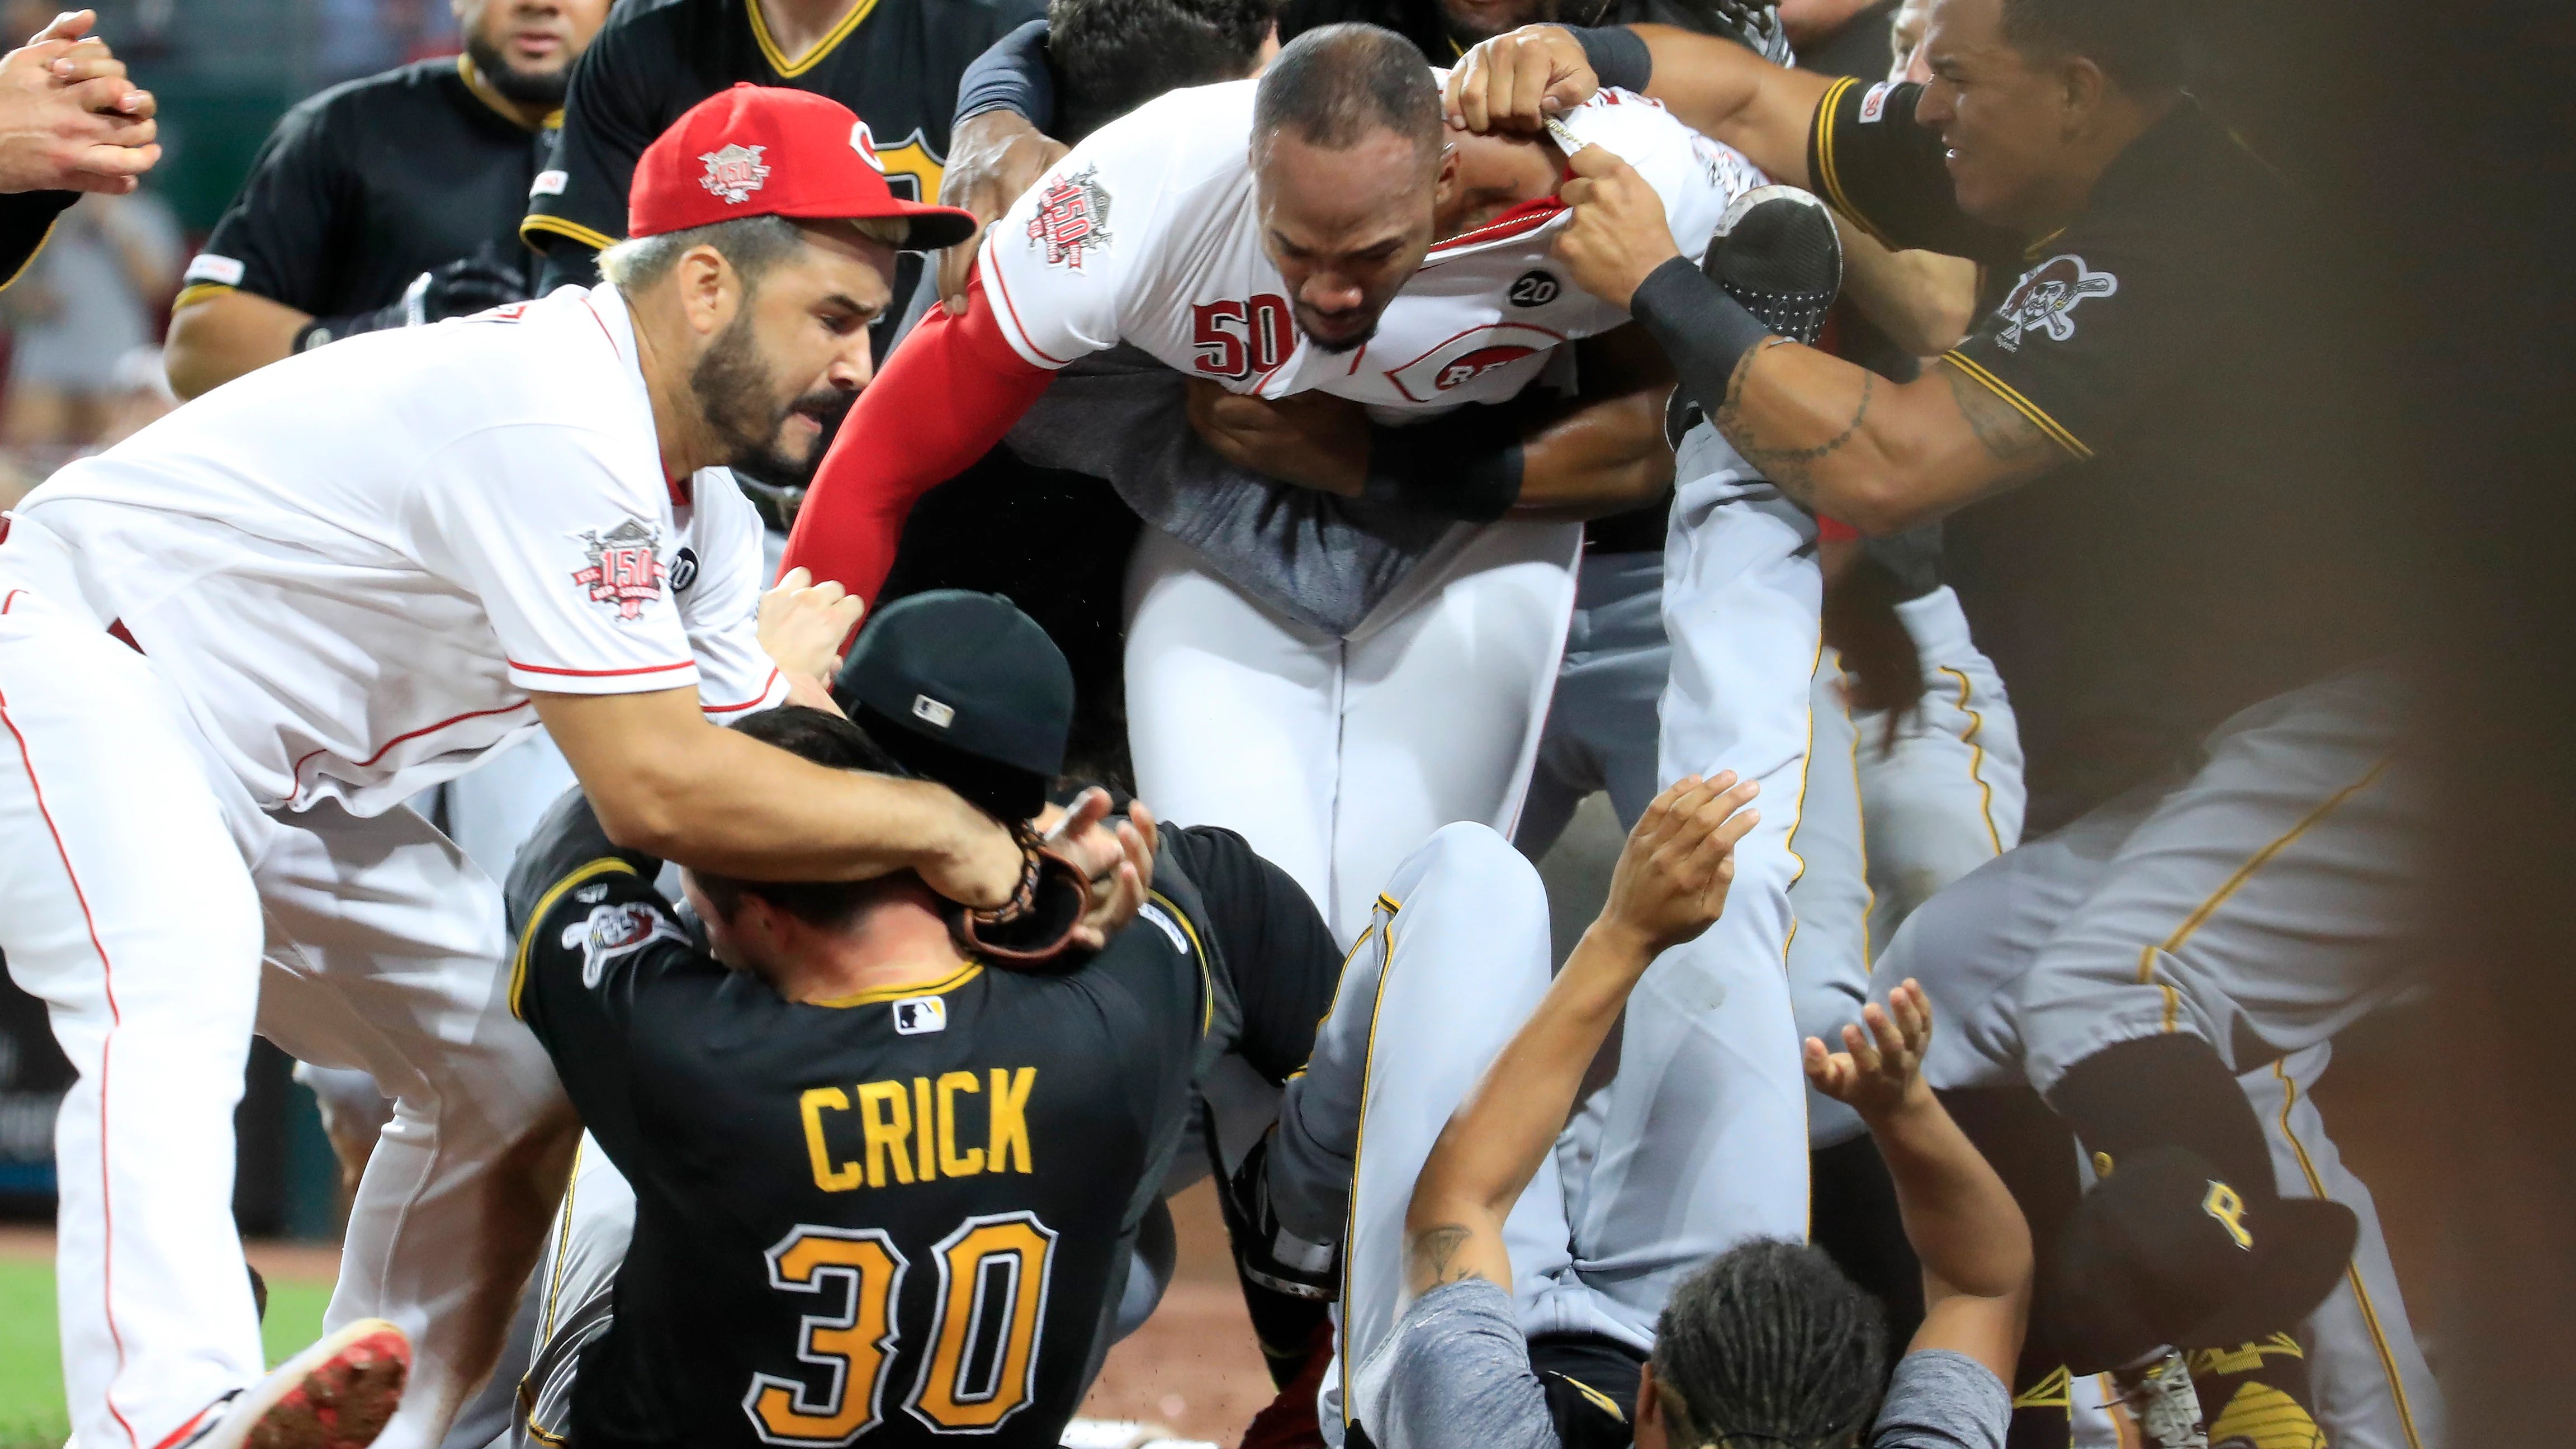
[1835, 437]
[1959, 1216]
[1513, 82]
[947, 395]
[1669, 886]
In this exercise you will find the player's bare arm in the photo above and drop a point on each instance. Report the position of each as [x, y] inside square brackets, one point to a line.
[1833, 436]
[1959, 1216]
[69, 117]
[1606, 452]
[992, 158]
[220, 336]
[668, 783]
[1516, 81]
[1669, 886]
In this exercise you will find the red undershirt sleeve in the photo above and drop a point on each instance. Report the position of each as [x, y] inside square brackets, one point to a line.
[946, 396]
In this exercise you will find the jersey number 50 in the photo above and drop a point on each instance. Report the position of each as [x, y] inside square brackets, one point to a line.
[981, 1367]
[1237, 339]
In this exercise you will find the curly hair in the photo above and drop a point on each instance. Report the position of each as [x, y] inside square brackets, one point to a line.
[1769, 1345]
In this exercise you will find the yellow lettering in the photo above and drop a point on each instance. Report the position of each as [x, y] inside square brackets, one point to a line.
[886, 1117]
[826, 1176]
[1010, 1133]
[952, 1162]
[2223, 1204]
[921, 1124]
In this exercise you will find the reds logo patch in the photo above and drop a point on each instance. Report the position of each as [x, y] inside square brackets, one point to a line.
[618, 928]
[734, 172]
[1073, 217]
[865, 143]
[2045, 297]
[625, 569]
[1468, 356]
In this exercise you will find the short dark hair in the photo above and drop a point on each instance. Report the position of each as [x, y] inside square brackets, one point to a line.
[1769, 1346]
[2142, 45]
[1115, 55]
[1335, 84]
[834, 743]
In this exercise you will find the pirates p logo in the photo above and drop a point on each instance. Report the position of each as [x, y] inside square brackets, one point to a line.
[2223, 1204]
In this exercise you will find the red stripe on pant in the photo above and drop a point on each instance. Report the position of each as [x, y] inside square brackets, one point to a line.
[115, 1019]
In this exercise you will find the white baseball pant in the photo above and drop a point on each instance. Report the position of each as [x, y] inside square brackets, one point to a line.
[1335, 756]
[2262, 904]
[1946, 796]
[162, 919]
[1828, 955]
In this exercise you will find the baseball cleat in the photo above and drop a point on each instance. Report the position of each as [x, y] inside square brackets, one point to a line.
[1776, 252]
[337, 1394]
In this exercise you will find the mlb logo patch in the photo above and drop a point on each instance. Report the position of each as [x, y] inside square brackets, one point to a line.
[917, 1015]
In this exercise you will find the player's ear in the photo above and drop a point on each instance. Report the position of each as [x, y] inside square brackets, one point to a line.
[2082, 87]
[709, 288]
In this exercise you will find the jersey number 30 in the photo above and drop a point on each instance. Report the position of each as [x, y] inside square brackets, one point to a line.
[981, 1366]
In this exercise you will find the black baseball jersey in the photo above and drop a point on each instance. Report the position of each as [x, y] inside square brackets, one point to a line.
[26, 219]
[894, 62]
[903, 1215]
[2183, 562]
[367, 185]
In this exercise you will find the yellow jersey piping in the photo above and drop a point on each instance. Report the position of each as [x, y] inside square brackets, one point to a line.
[778, 61]
[592, 870]
[2038, 415]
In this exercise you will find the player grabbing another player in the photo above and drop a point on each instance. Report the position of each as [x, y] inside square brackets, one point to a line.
[232, 645]
[1217, 230]
[1218, 914]
[70, 122]
[881, 1186]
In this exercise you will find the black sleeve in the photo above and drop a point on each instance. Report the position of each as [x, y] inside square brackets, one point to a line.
[612, 111]
[275, 238]
[26, 219]
[1878, 167]
[2093, 331]
[1011, 76]
[590, 934]
[1277, 951]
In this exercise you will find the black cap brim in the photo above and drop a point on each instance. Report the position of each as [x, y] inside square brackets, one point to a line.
[2097, 1323]
[2307, 1244]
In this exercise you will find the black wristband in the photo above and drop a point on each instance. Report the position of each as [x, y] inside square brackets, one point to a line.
[1012, 76]
[1618, 56]
[1464, 464]
[1703, 331]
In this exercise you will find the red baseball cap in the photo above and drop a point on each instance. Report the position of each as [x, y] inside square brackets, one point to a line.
[769, 151]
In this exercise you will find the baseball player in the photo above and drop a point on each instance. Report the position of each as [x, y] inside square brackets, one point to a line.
[386, 200]
[896, 65]
[232, 645]
[80, 126]
[1156, 232]
[881, 1186]
[2121, 514]
[1268, 963]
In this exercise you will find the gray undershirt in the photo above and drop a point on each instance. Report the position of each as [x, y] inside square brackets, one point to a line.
[1323, 561]
[1459, 1377]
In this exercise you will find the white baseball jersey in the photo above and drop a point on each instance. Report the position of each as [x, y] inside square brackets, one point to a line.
[352, 566]
[1147, 233]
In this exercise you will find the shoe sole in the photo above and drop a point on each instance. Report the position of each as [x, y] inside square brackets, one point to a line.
[338, 1394]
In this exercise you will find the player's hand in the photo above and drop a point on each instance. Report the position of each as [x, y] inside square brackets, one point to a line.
[1880, 1068]
[978, 862]
[803, 624]
[69, 118]
[1619, 233]
[1517, 80]
[992, 158]
[1672, 877]
[1309, 439]
[1117, 857]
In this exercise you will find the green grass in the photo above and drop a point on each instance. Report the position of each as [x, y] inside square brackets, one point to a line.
[31, 1370]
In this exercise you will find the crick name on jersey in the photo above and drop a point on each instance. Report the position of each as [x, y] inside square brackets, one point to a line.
[899, 1132]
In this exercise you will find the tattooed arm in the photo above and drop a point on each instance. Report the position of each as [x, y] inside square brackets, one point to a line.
[1669, 885]
[1878, 455]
